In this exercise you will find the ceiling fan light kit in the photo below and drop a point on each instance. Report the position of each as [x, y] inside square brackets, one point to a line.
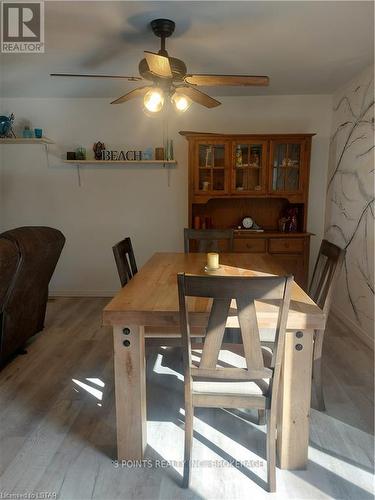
[170, 80]
[154, 101]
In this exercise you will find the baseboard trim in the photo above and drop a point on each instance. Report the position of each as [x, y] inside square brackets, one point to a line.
[353, 326]
[82, 293]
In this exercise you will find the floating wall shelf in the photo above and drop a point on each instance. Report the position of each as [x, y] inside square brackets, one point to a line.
[22, 140]
[79, 163]
[119, 162]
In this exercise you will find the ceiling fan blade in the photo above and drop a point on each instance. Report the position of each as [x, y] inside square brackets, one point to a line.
[158, 65]
[129, 78]
[198, 96]
[139, 92]
[230, 80]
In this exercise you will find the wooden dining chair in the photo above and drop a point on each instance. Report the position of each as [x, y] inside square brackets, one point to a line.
[127, 268]
[208, 239]
[326, 271]
[211, 382]
[125, 260]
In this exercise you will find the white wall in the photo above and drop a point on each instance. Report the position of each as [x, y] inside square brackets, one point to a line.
[350, 201]
[136, 201]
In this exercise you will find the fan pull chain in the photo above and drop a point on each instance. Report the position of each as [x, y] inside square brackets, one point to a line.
[166, 141]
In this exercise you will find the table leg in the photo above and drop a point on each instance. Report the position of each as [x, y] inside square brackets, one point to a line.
[295, 394]
[130, 389]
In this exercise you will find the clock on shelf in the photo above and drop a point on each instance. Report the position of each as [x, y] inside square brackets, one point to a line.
[247, 222]
[250, 225]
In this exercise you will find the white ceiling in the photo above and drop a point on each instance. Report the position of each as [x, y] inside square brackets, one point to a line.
[305, 47]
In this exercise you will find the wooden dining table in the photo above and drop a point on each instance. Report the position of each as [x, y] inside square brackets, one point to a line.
[148, 307]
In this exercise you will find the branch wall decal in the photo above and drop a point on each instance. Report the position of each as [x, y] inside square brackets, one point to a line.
[350, 197]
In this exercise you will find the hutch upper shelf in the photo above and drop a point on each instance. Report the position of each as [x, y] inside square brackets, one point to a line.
[248, 165]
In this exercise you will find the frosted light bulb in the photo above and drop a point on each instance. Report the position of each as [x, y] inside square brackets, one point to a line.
[181, 102]
[154, 100]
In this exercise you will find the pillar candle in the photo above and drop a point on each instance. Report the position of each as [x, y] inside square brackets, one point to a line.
[213, 260]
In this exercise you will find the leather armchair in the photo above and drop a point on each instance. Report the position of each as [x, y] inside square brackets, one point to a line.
[24, 307]
[9, 259]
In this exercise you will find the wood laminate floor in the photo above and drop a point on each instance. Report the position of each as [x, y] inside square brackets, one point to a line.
[58, 424]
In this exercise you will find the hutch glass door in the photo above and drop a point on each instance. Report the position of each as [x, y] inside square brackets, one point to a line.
[249, 163]
[211, 171]
[286, 163]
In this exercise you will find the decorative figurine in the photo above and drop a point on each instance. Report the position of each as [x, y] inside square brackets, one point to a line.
[293, 224]
[6, 126]
[147, 154]
[208, 156]
[255, 160]
[282, 224]
[238, 156]
[98, 148]
[289, 220]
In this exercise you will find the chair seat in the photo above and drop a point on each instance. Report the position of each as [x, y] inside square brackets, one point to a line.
[231, 388]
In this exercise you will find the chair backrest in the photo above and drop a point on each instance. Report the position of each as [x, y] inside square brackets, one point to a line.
[327, 268]
[125, 260]
[245, 291]
[208, 239]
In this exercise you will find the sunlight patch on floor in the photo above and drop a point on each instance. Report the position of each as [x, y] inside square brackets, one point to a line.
[231, 447]
[164, 370]
[96, 381]
[337, 456]
[352, 473]
[88, 388]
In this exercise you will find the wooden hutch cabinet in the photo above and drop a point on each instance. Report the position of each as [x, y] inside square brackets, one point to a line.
[260, 176]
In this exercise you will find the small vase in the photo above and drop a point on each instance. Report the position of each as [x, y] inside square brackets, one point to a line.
[81, 153]
[27, 133]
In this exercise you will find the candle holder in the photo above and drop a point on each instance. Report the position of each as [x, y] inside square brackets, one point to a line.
[212, 262]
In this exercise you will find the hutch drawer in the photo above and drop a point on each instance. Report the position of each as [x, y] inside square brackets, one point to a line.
[256, 245]
[286, 245]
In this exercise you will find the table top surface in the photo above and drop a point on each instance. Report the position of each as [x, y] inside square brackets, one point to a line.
[151, 297]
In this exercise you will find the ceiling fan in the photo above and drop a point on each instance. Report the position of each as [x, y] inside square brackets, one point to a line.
[167, 77]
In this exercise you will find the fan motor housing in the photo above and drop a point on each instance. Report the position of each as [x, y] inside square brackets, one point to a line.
[163, 28]
[178, 68]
